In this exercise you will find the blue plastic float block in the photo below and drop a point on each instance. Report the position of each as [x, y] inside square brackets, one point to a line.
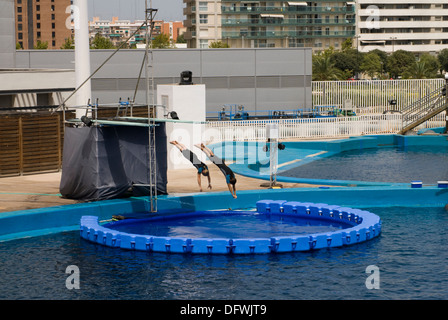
[316, 209]
[263, 206]
[210, 246]
[270, 206]
[343, 213]
[170, 245]
[251, 246]
[290, 244]
[322, 241]
[290, 207]
[328, 211]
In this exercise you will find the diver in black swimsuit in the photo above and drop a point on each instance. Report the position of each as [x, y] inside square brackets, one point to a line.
[226, 171]
[198, 164]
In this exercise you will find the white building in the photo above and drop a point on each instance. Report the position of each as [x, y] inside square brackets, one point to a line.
[413, 25]
[117, 30]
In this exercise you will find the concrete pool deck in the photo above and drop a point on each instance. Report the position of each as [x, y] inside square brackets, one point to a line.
[42, 190]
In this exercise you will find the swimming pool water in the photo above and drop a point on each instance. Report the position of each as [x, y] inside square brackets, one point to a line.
[228, 226]
[387, 164]
[410, 253]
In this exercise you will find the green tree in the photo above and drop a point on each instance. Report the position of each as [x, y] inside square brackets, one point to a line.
[69, 43]
[425, 68]
[372, 64]
[383, 58]
[347, 44]
[41, 45]
[162, 41]
[324, 69]
[399, 62]
[18, 46]
[181, 39]
[219, 44]
[100, 42]
[348, 60]
[443, 60]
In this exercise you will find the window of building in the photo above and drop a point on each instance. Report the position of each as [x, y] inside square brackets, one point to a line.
[19, 18]
[20, 35]
[203, 6]
[19, 27]
[203, 18]
[203, 44]
[37, 7]
[38, 16]
[19, 9]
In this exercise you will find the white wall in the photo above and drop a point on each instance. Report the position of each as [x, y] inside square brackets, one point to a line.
[189, 103]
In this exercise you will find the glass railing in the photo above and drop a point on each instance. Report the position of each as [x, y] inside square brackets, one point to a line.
[285, 34]
[285, 22]
[287, 10]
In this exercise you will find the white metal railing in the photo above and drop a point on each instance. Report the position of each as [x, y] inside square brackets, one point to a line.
[255, 130]
[372, 96]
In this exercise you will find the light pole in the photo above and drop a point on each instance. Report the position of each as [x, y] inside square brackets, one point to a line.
[357, 56]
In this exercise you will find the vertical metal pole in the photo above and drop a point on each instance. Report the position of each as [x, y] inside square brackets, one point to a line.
[82, 54]
[149, 18]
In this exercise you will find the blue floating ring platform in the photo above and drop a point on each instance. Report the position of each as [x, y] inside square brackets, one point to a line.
[360, 225]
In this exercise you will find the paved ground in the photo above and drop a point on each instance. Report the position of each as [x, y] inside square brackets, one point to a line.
[42, 190]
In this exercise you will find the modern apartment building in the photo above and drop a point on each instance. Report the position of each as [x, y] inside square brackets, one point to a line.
[412, 25]
[120, 30]
[42, 20]
[261, 24]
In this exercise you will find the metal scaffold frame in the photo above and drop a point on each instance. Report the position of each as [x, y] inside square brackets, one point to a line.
[150, 101]
[91, 114]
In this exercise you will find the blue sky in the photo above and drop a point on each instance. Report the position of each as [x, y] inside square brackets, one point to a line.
[170, 10]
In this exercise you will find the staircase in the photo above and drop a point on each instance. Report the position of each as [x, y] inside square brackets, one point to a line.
[424, 109]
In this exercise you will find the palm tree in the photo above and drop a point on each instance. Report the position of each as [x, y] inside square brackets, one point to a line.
[324, 69]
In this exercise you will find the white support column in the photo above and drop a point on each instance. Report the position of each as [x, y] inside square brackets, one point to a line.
[82, 54]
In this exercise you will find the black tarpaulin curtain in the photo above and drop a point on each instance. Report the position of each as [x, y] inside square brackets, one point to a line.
[102, 163]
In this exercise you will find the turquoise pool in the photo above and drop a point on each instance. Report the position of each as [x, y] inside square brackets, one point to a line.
[360, 161]
[410, 255]
[36, 247]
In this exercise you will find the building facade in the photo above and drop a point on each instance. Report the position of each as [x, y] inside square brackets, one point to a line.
[266, 24]
[44, 21]
[413, 25]
[119, 31]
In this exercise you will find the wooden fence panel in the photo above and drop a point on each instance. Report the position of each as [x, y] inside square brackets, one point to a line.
[30, 143]
[10, 146]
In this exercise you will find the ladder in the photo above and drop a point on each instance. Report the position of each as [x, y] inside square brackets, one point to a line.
[424, 109]
[150, 100]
